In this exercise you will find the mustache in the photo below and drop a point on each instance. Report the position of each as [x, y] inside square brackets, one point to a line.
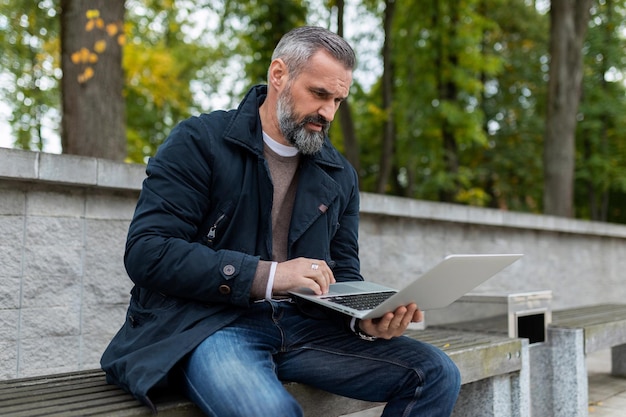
[316, 119]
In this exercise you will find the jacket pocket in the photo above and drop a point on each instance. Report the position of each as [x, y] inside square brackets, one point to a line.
[145, 305]
[218, 221]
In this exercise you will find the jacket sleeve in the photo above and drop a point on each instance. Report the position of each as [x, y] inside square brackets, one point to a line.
[164, 252]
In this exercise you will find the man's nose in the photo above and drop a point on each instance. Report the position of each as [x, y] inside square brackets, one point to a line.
[328, 110]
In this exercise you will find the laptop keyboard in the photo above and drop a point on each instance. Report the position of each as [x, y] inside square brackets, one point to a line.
[361, 301]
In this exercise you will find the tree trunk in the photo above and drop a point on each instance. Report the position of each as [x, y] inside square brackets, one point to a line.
[386, 156]
[447, 91]
[569, 20]
[351, 143]
[93, 122]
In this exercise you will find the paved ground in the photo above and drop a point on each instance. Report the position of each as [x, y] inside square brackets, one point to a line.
[607, 395]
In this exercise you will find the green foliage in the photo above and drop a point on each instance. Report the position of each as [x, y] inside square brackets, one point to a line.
[29, 65]
[160, 64]
[469, 87]
[513, 103]
[601, 144]
[259, 26]
[438, 65]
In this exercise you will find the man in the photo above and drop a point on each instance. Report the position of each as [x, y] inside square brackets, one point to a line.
[238, 208]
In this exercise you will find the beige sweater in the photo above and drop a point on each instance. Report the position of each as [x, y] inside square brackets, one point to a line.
[284, 174]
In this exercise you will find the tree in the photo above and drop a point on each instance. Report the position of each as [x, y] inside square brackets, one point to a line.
[387, 89]
[513, 102]
[255, 29]
[438, 80]
[346, 121]
[163, 60]
[600, 145]
[569, 20]
[456, 92]
[92, 37]
[29, 33]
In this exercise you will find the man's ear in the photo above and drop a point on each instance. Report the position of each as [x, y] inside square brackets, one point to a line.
[278, 74]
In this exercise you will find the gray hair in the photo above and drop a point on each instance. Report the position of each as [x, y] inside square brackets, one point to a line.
[297, 46]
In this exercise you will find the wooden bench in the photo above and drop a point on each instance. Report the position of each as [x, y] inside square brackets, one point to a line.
[493, 369]
[558, 367]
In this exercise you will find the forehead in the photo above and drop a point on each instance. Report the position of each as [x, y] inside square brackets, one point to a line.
[324, 71]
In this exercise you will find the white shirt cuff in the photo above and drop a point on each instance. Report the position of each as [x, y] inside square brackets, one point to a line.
[270, 281]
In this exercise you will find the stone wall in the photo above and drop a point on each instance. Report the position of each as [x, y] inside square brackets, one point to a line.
[63, 288]
[64, 291]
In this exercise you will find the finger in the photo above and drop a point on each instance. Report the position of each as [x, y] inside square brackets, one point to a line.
[325, 270]
[408, 316]
[418, 316]
[384, 323]
[371, 327]
[321, 274]
[398, 317]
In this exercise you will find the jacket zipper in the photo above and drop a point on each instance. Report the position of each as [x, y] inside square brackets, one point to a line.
[211, 235]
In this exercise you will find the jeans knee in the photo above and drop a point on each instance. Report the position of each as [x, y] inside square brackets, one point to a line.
[453, 375]
[447, 377]
[286, 407]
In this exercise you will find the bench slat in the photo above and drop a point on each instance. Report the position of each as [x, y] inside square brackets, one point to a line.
[478, 356]
[24, 399]
[86, 393]
[604, 325]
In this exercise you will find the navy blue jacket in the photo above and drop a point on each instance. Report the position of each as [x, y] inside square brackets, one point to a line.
[201, 225]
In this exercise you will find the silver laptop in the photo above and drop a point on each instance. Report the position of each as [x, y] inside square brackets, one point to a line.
[449, 280]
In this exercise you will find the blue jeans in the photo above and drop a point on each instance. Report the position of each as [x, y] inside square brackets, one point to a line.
[238, 370]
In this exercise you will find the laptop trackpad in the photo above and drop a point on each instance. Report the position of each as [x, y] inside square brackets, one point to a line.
[347, 288]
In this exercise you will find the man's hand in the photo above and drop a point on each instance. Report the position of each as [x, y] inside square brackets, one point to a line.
[392, 324]
[303, 272]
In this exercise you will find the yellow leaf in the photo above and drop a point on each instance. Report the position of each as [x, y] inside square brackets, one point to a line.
[92, 13]
[99, 23]
[100, 46]
[89, 26]
[86, 75]
[84, 55]
[93, 58]
[111, 29]
[80, 57]
[121, 40]
[75, 57]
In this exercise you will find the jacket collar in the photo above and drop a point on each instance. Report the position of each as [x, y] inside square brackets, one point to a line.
[245, 129]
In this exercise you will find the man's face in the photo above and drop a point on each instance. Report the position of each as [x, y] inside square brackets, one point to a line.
[294, 127]
[308, 103]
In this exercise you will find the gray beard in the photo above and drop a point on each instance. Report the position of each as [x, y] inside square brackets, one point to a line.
[308, 143]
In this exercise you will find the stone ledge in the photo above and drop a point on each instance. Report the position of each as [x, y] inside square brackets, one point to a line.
[69, 170]
[93, 172]
[385, 205]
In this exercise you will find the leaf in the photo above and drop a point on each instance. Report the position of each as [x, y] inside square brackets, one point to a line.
[112, 29]
[92, 14]
[86, 75]
[100, 46]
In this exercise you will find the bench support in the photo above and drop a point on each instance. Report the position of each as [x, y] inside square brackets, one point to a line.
[505, 395]
[559, 373]
[618, 361]
[487, 398]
